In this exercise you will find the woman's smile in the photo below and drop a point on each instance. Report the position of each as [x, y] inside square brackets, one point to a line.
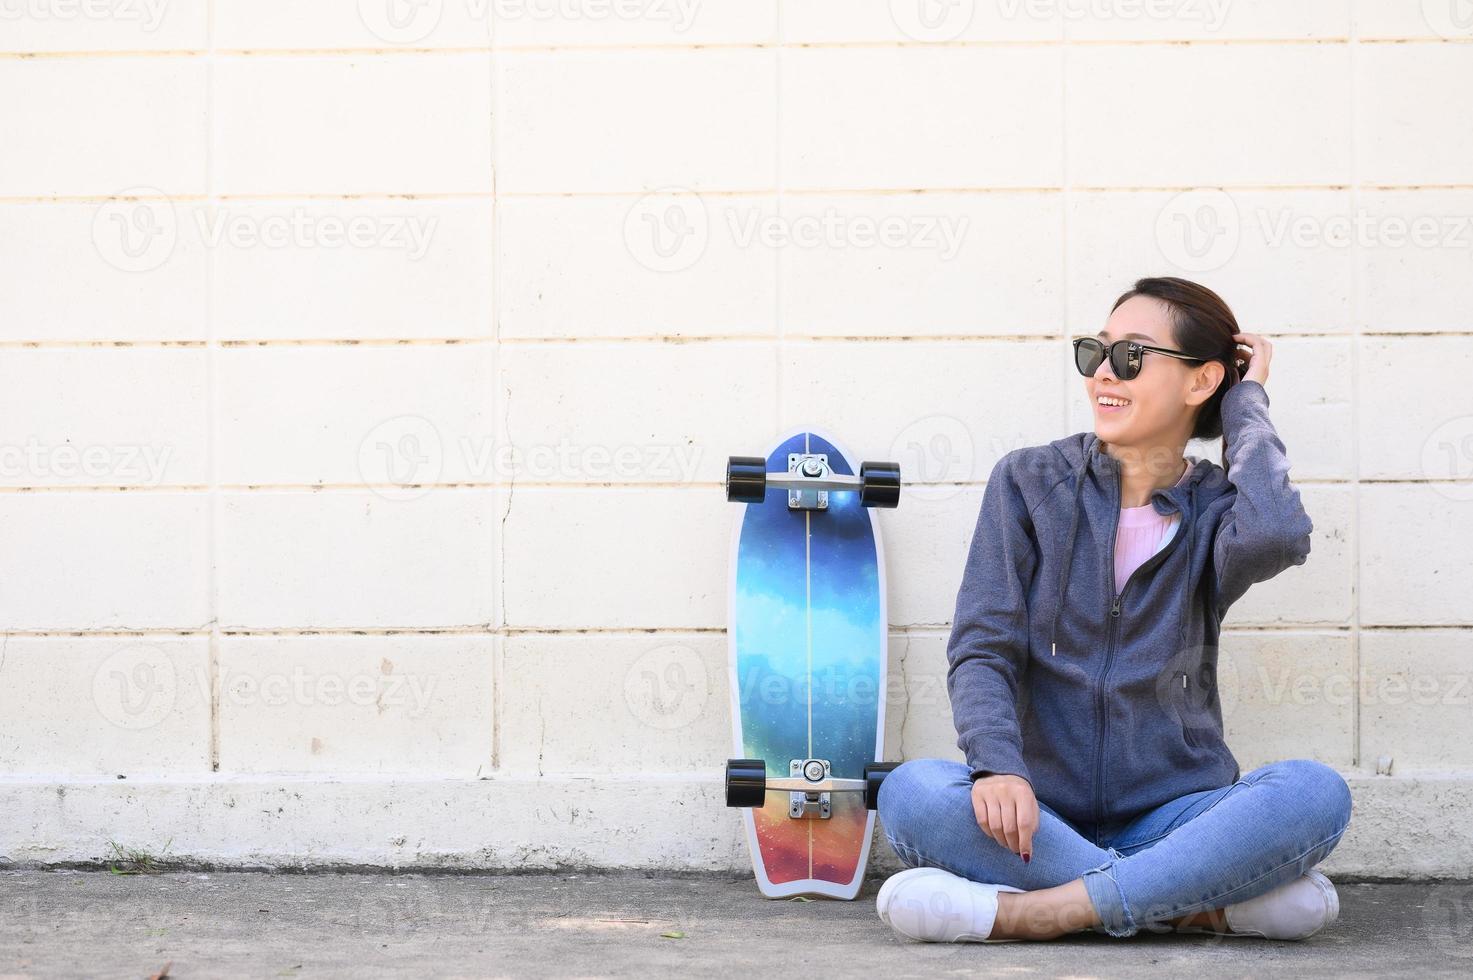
[1111, 404]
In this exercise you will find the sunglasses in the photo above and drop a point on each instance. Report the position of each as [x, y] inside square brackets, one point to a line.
[1125, 356]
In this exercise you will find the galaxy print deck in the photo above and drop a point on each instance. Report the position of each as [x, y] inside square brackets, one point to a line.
[807, 644]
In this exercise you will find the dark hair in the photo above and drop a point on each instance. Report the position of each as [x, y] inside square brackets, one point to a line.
[1202, 325]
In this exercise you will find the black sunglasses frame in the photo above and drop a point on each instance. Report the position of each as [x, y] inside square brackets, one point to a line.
[1125, 361]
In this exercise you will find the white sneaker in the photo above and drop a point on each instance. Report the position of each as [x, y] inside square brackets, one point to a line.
[1295, 910]
[936, 906]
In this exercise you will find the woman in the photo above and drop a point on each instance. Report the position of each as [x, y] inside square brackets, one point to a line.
[1083, 667]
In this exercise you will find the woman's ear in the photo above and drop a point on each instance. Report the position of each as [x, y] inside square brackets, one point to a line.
[1206, 380]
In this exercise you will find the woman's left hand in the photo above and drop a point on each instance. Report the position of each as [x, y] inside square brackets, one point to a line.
[1261, 351]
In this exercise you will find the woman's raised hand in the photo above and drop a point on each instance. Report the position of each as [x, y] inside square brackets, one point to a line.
[1258, 356]
[1006, 811]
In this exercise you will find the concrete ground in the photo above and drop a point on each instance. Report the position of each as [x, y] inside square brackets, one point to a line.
[244, 924]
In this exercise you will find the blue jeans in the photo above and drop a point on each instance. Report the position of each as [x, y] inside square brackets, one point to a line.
[1202, 851]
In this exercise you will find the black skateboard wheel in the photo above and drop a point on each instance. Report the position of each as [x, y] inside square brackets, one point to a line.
[874, 775]
[879, 484]
[746, 782]
[746, 479]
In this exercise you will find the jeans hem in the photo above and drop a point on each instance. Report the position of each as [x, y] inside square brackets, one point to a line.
[1110, 906]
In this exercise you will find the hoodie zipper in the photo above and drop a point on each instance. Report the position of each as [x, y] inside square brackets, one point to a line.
[1101, 720]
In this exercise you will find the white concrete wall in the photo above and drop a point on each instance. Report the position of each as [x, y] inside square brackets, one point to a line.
[366, 381]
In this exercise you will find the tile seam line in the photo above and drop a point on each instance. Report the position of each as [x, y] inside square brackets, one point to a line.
[721, 46]
[779, 196]
[499, 408]
[600, 485]
[212, 401]
[895, 629]
[668, 340]
[1066, 206]
[1358, 287]
[520, 775]
[866, 191]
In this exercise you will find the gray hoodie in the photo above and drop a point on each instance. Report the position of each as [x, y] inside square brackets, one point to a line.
[1107, 703]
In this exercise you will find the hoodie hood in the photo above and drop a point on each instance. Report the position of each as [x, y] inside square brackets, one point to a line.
[1084, 453]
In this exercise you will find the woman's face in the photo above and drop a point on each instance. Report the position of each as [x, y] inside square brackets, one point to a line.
[1160, 399]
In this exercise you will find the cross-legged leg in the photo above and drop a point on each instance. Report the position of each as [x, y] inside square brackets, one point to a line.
[1211, 849]
[1178, 863]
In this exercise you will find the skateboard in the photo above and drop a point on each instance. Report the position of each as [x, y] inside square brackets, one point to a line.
[807, 651]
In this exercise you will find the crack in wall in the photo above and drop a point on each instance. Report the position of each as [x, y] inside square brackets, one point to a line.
[905, 686]
[541, 734]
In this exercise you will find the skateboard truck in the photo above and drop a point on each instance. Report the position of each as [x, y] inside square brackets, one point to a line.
[811, 468]
[808, 481]
[804, 803]
[808, 787]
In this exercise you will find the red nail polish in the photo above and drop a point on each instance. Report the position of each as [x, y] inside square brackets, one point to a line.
[1026, 856]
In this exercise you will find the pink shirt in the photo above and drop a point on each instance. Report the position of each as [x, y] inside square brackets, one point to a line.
[1143, 532]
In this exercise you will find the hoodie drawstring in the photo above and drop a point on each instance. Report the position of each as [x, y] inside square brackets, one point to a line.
[1186, 585]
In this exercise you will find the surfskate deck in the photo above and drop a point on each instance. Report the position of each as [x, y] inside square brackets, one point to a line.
[807, 653]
